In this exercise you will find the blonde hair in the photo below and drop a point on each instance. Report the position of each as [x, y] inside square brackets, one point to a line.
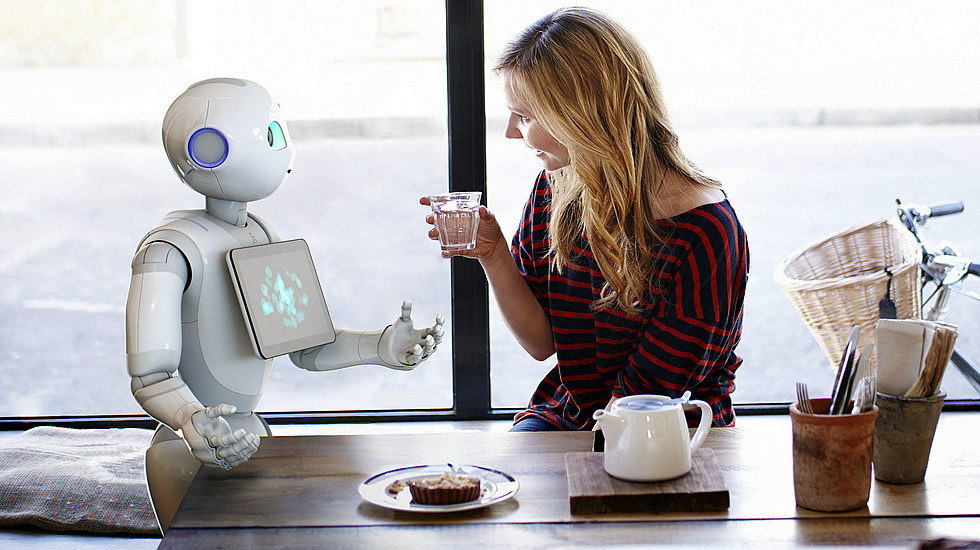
[591, 85]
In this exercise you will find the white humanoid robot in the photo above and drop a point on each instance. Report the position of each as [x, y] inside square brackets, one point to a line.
[198, 361]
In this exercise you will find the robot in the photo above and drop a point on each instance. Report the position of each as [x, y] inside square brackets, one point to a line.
[193, 363]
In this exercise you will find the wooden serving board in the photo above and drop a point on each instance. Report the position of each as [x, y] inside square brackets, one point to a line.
[592, 491]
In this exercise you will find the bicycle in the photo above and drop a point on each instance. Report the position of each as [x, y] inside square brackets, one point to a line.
[943, 271]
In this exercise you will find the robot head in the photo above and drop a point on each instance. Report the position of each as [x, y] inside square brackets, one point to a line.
[225, 138]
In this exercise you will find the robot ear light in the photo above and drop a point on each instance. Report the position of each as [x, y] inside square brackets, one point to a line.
[208, 147]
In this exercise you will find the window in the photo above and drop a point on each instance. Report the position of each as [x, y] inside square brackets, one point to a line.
[815, 119]
[363, 87]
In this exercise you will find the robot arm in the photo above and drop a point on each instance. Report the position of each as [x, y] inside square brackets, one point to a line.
[398, 346]
[153, 343]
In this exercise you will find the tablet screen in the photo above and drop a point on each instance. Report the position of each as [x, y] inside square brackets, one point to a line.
[281, 298]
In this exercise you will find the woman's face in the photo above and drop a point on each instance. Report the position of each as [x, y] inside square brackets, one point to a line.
[522, 125]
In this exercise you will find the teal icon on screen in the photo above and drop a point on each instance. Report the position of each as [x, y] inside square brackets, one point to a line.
[284, 296]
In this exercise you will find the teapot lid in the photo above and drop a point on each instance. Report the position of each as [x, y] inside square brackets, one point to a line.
[650, 403]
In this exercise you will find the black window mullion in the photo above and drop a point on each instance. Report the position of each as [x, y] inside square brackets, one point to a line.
[470, 318]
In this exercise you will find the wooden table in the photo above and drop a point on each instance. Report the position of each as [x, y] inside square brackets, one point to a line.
[302, 491]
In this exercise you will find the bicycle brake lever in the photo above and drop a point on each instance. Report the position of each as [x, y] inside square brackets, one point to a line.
[954, 268]
[926, 267]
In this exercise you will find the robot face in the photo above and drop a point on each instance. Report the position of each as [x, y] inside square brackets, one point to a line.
[223, 139]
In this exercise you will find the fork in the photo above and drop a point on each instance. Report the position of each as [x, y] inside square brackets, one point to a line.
[872, 389]
[803, 398]
[864, 400]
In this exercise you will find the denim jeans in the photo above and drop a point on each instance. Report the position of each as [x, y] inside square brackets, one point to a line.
[533, 424]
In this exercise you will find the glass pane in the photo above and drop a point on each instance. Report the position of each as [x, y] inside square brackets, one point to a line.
[84, 175]
[814, 119]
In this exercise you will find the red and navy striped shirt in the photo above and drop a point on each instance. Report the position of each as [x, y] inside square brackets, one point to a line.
[684, 338]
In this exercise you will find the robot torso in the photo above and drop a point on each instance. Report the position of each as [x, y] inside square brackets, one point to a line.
[217, 361]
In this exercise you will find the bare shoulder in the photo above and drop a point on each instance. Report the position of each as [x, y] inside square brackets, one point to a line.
[707, 195]
[681, 195]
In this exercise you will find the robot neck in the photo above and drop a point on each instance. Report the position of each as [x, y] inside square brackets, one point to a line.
[232, 212]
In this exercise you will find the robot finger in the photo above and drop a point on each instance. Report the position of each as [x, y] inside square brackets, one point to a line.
[223, 453]
[228, 454]
[437, 331]
[251, 449]
[430, 346]
[233, 461]
[222, 462]
[241, 448]
[217, 441]
[247, 445]
[414, 356]
[224, 440]
[220, 410]
[406, 311]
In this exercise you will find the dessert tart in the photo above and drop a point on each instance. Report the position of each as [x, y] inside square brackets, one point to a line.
[447, 488]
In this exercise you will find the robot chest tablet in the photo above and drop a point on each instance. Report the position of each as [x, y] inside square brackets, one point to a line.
[280, 297]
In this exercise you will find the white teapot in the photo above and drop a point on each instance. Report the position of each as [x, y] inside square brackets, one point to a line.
[647, 438]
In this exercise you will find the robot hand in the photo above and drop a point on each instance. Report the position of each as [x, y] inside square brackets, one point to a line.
[403, 346]
[212, 441]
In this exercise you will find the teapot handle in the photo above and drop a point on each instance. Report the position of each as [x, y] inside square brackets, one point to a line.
[703, 426]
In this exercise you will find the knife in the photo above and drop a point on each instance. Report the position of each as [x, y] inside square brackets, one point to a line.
[845, 374]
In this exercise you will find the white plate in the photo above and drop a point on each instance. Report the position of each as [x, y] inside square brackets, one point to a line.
[495, 486]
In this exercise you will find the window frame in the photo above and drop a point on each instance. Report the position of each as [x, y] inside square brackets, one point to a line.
[470, 317]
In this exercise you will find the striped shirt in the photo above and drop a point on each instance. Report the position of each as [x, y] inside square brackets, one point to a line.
[683, 339]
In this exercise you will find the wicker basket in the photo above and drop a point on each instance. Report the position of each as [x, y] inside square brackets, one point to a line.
[837, 282]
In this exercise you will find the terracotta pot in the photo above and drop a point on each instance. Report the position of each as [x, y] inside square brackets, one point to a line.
[832, 458]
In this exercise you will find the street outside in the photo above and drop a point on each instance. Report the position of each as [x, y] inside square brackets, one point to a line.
[81, 211]
[815, 119]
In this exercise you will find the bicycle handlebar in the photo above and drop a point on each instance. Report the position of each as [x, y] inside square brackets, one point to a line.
[914, 215]
[944, 209]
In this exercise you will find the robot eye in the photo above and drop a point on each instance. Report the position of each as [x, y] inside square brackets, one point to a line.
[208, 147]
[277, 140]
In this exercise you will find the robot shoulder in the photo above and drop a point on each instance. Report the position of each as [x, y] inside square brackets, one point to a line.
[160, 256]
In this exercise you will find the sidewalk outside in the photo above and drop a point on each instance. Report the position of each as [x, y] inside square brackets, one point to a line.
[84, 175]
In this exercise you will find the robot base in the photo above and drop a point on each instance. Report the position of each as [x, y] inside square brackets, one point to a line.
[170, 466]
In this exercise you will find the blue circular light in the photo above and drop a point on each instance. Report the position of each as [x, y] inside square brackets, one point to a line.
[207, 147]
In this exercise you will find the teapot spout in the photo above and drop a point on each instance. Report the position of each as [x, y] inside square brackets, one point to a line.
[612, 425]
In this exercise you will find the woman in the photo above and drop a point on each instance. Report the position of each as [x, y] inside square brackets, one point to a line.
[629, 263]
